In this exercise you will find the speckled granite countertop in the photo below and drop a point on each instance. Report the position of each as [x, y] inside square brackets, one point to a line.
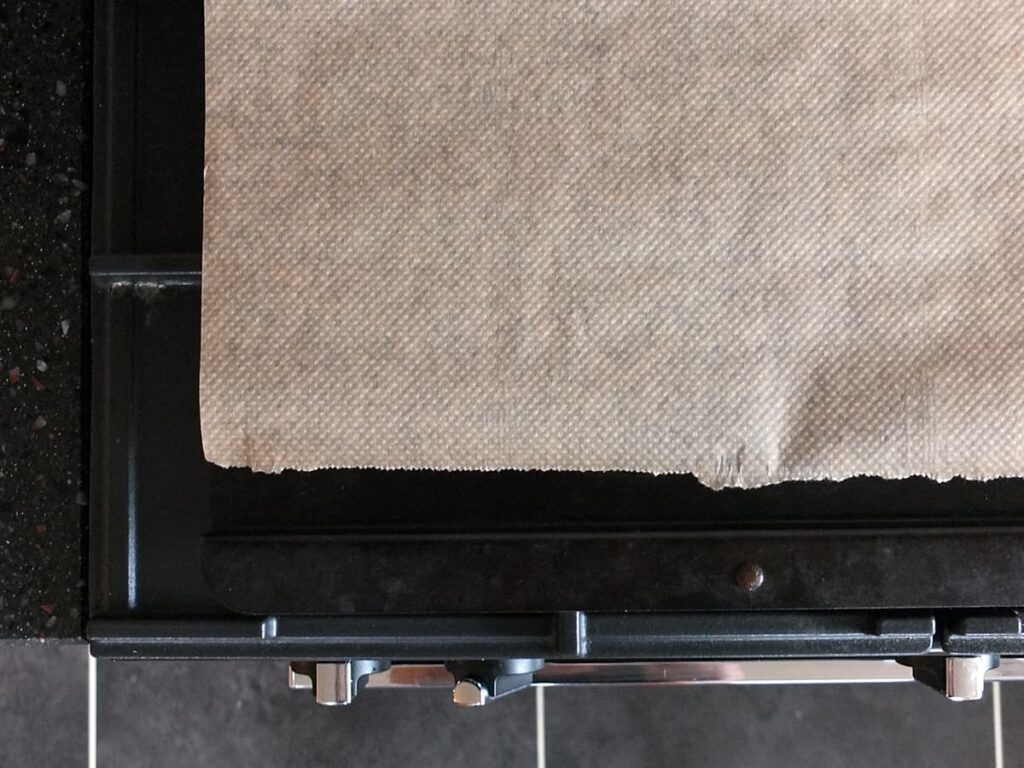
[44, 189]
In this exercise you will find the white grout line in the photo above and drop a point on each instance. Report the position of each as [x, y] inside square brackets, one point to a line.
[92, 711]
[997, 723]
[542, 747]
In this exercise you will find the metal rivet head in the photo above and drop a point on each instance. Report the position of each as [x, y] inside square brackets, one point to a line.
[749, 576]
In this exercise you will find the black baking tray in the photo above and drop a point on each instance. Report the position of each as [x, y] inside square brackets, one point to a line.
[188, 559]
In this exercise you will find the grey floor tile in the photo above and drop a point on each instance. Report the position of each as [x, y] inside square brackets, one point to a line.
[1013, 723]
[164, 714]
[43, 705]
[753, 726]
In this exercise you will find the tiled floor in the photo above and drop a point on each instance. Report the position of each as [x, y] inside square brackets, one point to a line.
[1013, 716]
[164, 714]
[43, 705]
[756, 726]
[242, 713]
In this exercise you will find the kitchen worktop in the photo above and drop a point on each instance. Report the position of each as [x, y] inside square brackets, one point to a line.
[44, 193]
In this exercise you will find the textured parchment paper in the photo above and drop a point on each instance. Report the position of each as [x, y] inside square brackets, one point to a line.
[755, 241]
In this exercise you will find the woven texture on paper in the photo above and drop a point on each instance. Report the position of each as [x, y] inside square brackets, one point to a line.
[754, 241]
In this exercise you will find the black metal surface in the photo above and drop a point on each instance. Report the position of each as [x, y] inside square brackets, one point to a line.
[148, 148]
[570, 636]
[324, 575]
[181, 550]
[997, 632]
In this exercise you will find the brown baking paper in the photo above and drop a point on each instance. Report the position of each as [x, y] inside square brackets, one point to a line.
[753, 241]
